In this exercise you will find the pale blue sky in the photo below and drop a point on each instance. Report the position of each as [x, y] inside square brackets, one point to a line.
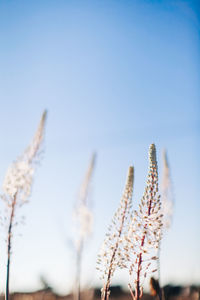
[115, 76]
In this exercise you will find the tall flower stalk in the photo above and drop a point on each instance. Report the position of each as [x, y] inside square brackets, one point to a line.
[17, 186]
[145, 231]
[167, 201]
[167, 193]
[84, 222]
[110, 256]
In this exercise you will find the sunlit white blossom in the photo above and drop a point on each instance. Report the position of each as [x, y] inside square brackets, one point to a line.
[83, 219]
[17, 186]
[19, 176]
[19, 179]
[167, 193]
[82, 215]
[144, 232]
[110, 256]
[83, 222]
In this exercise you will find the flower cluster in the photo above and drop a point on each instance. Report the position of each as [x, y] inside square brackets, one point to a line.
[18, 180]
[32, 153]
[167, 194]
[145, 229]
[17, 186]
[83, 217]
[19, 177]
[84, 221]
[110, 255]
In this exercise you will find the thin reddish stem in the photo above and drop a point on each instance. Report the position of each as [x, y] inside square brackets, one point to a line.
[9, 245]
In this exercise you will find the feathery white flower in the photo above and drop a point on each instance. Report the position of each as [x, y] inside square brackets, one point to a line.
[17, 185]
[19, 179]
[110, 256]
[83, 217]
[83, 221]
[167, 193]
[19, 176]
[145, 229]
[167, 203]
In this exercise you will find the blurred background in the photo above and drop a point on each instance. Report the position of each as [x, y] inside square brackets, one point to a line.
[115, 76]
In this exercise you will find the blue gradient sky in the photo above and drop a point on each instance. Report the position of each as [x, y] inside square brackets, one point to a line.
[115, 76]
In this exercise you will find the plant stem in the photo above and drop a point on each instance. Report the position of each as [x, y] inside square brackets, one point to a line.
[78, 270]
[9, 245]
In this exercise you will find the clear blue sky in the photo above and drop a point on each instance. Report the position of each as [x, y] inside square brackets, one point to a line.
[115, 76]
